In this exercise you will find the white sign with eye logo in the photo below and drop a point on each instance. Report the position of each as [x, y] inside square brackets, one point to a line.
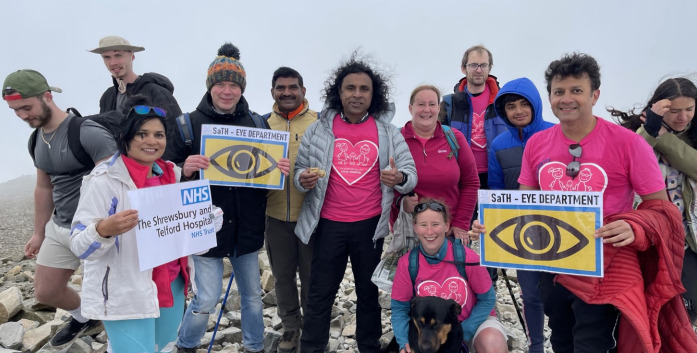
[542, 231]
[244, 156]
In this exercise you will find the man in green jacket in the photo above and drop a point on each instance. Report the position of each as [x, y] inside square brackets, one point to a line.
[287, 253]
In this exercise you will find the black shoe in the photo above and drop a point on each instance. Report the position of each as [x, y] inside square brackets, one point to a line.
[184, 350]
[71, 331]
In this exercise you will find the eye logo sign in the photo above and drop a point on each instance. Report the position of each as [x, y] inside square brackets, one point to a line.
[538, 237]
[542, 238]
[243, 156]
[243, 162]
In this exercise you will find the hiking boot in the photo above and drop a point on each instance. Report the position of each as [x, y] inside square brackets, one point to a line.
[289, 342]
[71, 331]
[251, 351]
[184, 350]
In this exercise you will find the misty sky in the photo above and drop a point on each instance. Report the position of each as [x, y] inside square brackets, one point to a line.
[638, 44]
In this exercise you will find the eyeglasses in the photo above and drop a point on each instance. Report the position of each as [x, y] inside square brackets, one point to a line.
[145, 110]
[473, 67]
[435, 206]
[573, 168]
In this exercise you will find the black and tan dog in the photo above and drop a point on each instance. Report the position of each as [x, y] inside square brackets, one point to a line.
[433, 327]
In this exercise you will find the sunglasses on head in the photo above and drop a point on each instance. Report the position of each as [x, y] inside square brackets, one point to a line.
[435, 206]
[145, 110]
[573, 168]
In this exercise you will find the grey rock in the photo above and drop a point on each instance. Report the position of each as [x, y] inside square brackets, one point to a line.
[271, 338]
[11, 334]
[270, 298]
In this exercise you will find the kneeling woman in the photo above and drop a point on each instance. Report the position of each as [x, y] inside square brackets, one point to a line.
[141, 311]
[438, 276]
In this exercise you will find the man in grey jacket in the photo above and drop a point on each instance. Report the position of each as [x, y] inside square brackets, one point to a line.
[350, 163]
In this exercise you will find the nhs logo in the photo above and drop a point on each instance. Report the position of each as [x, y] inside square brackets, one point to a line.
[195, 195]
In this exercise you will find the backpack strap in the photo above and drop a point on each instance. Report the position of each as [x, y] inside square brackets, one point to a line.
[258, 120]
[74, 127]
[266, 116]
[459, 256]
[413, 265]
[452, 140]
[186, 131]
[448, 100]
[73, 110]
[32, 144]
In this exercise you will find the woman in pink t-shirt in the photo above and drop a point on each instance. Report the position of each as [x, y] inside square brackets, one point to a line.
[438, 276]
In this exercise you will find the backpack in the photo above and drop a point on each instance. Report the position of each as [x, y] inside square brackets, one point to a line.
[448, 104]
[110, 120]
[458, 254]
[186, 130]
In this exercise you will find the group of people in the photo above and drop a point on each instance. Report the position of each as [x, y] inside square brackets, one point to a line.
[350, 174]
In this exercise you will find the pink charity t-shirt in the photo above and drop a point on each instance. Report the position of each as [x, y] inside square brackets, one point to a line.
[614, 160]
[353, 192]
[443, 280]
[478, 138]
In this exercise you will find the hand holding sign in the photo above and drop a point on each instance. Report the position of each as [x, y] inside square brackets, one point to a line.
[117, 223]
[391, 176]
[618, 233]
[194, 163]
[284, 165]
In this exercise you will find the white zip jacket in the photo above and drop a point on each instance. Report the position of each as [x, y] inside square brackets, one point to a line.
[113, 287]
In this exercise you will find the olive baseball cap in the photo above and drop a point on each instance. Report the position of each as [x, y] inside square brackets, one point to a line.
[27, 83]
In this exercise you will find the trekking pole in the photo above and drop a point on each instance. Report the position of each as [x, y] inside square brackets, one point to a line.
[222, 307]
[515, 302]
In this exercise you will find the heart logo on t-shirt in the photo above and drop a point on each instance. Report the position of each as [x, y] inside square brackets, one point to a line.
[352, 162]
[591, 177]
[478, 134]
[454, 288]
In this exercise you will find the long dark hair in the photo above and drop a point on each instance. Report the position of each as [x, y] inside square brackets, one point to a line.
[669, 89]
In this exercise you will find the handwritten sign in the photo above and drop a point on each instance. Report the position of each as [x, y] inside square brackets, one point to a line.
[243, 156]
[542, 231]
[173, 221]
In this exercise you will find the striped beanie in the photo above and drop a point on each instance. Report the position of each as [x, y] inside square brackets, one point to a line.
[226, 67]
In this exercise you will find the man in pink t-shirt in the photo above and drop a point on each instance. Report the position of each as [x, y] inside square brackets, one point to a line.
[350, 163]
[587, 153]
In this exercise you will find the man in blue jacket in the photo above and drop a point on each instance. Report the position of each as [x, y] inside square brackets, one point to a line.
[520, 106]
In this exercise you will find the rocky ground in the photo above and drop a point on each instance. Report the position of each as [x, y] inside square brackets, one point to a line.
[26, 326]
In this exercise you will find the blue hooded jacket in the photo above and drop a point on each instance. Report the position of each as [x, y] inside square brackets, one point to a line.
[506, 154]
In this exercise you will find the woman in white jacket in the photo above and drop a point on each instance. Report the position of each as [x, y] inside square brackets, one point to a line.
[141, 311]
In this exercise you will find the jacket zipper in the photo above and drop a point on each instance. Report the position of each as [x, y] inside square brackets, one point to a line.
[288, 176]
[105, 288]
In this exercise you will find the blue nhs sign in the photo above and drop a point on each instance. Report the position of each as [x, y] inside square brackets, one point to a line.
[195, 195]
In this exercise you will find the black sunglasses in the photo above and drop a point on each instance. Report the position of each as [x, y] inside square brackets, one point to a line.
[145, 111]
[435, 206]
[573, 168]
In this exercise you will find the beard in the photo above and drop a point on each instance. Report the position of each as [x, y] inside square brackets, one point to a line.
[45, 117]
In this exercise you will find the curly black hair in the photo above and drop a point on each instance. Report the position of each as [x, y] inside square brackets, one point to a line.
[381, 90]
[576, 65]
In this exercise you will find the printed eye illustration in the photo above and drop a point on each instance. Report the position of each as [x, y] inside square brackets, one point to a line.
[243, 162]
[539, 237]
